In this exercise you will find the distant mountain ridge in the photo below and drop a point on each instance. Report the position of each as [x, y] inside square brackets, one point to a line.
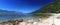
[13, 14]
[53, 7]
[7, 15]
[9, 12]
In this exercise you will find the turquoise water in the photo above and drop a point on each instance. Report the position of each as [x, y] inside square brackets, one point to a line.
[4, 17]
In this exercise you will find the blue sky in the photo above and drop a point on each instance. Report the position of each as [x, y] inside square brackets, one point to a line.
[24, 6]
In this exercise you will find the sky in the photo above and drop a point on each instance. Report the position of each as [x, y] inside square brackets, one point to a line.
[24, 6]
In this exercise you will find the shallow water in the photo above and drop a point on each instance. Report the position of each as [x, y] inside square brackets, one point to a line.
[5, 17]
[54, 19]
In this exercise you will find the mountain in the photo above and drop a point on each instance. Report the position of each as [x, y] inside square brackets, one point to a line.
[9, 12]
[52, 7]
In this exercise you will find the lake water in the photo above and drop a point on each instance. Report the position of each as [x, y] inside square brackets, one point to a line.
[53, 19]
[4, 17]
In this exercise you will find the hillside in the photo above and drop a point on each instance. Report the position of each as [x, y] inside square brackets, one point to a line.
[53, 7]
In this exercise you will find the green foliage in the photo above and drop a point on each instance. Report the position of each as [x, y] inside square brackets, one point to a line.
[42, 15]
[53, 7]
